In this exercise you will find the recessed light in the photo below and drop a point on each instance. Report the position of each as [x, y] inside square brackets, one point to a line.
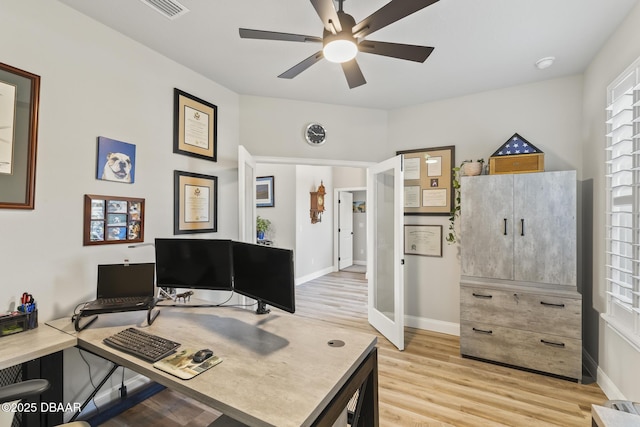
[546, 62]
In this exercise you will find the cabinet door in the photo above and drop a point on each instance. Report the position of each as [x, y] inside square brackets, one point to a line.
[486, 226]
[545, 235]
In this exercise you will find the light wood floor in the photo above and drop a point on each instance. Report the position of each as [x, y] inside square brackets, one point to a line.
[428, 384]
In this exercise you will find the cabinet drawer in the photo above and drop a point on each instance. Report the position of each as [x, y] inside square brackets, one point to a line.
[522, 310]
[532, 350]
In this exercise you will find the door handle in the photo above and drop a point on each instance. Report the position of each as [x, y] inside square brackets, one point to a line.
[505, 226]
[522, 226]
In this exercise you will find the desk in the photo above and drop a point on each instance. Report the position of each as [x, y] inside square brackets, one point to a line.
[608, 417]
[39, 351]
[277, 369]
[33, 344]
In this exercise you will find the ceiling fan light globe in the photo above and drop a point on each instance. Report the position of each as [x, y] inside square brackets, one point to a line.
[340, 51]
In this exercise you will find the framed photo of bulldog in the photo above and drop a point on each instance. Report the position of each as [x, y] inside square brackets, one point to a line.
[116, 161]
[195, 125]
[113, 219]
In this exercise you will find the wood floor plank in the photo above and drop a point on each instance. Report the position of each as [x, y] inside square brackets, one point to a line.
[427, 384]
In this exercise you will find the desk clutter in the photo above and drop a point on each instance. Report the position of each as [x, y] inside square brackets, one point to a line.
[25, 318]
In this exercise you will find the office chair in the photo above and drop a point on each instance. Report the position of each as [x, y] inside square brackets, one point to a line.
[14, 393]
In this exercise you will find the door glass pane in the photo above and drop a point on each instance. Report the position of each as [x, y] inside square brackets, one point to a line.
[384, 232]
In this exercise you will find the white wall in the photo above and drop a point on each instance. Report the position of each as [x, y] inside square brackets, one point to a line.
[314, 244]
[547, 114]
[618, 361]
[96, 82]
[275, 127]
[283, 214]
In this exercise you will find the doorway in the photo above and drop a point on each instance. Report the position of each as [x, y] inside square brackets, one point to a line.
[350, 234]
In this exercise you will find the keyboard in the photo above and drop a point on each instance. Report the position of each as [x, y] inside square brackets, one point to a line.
[141, 344]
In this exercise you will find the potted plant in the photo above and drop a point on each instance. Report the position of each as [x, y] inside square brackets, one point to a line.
[463, 169]
[262, 226]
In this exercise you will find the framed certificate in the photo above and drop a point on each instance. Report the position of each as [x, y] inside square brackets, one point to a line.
[425, 240]
[19, 100]
[194, 126]
[195, 203]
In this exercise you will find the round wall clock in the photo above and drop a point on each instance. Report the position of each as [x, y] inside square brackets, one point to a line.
[315, 134]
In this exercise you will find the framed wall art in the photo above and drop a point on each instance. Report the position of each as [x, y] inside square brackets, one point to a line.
[428, 178]
[113, 219]
[265, 192]
[116, 161]
[195, 125]
[424, 240]
[195, 203]
[19, 101]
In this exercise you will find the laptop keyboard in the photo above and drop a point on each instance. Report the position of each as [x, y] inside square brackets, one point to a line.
[141, 344]
[120, 300]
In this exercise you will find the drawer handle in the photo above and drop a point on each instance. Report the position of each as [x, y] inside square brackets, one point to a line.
[505, 226]
[551, 343]
[483, 331]
[548, 304]
[482, 296]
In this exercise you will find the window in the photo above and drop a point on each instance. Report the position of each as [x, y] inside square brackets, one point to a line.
[623, 203]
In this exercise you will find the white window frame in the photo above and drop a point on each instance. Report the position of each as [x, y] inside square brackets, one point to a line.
[622, 266]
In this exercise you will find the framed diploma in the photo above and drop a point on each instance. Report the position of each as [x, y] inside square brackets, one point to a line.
[113, 219]
[195, 124]
[425, 240]
[19, 97]
[428, 180]
[195, 203]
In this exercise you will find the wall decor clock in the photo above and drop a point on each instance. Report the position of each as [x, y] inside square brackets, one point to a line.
[315, 134]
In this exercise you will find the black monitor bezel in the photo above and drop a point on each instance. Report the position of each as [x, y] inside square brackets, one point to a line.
[228, 287]
[290, 309]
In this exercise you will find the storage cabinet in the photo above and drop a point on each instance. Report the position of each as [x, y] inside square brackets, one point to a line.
[518, 298]
[520, 227]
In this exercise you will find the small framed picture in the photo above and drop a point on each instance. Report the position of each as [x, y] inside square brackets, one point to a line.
[195, 199]
[110, 219]
[116, 161]
[265, 192]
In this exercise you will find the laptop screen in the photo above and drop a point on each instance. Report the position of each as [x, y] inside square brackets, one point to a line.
[125, 280]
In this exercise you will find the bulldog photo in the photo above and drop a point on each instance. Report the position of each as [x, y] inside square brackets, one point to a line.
[116, 161]
[117, 168]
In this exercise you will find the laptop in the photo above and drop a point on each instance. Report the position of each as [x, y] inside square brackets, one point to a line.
[123, 287]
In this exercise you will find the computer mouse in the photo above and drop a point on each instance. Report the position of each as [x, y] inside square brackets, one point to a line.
[202, 355]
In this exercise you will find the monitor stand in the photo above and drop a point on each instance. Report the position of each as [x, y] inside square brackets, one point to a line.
[262, 308]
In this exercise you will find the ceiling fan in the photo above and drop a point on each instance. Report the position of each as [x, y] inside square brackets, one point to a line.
[342, 38]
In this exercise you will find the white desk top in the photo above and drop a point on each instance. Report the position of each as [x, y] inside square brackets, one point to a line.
[277, 369]
[608, 417]
[32, 344]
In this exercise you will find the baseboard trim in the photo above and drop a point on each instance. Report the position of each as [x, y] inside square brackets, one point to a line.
[314, 275]
[433, 325]
[608, 387]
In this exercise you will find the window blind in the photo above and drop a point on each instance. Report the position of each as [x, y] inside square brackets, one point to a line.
[622, 166]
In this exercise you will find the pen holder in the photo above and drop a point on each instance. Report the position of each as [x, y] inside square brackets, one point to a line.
[32, 319]
[18, 322]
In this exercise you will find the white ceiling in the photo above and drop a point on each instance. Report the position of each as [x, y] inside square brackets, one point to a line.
[479, 45]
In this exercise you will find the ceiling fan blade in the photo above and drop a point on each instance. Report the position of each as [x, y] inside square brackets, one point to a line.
[388, 14]
[300, 67]
[353, 74]
[396, 50]
[273, 35]
[327, 13]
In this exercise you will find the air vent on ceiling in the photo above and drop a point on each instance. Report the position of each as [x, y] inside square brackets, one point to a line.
[170, 9]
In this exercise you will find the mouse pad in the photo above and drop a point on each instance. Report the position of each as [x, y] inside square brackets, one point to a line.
[182, 366]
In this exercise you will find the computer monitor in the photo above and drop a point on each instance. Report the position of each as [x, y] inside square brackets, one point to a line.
[194, 264]
[265, 274]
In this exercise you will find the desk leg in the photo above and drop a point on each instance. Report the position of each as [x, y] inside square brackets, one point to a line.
[50, 368]
[365, 379]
